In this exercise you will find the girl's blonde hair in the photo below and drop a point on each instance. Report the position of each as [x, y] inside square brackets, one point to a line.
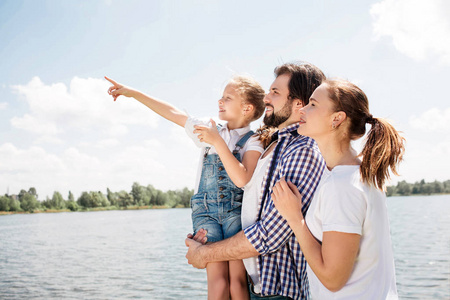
[384, 146]
[252, 92]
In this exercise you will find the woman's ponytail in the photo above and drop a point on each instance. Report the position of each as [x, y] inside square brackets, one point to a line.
[384, 149]
[265, 133]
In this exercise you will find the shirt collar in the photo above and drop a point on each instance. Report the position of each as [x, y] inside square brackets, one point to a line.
[290, 130]
[239, 131]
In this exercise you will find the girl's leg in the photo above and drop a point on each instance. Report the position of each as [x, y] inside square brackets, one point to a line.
[218, 284]
[238, 280]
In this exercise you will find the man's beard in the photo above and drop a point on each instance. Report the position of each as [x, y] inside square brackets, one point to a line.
[275, 119]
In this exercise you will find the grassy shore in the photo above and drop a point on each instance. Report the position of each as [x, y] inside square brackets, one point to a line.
[38, 211]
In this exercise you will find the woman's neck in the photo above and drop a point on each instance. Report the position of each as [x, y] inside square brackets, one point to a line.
[337, 152]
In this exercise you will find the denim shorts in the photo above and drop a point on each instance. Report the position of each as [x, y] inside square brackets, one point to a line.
[221, 218]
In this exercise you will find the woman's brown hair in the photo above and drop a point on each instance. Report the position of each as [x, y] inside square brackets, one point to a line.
[384, 146]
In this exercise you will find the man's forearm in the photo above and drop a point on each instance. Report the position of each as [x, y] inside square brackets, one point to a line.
[233, 248]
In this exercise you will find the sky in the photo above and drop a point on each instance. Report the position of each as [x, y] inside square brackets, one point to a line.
[61, 131]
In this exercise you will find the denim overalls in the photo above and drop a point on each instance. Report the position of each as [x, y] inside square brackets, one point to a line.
[217, 205]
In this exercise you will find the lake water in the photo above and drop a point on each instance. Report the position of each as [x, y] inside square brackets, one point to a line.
[139, 254]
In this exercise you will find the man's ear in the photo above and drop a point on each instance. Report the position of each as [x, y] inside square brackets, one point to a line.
[297, 105]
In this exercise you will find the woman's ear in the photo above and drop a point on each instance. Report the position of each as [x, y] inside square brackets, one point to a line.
[338, 118]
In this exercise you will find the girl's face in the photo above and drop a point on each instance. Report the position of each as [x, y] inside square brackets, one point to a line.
[230, 105]
[316, 119]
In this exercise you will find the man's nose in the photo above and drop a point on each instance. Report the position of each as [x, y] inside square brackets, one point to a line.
[266, 99]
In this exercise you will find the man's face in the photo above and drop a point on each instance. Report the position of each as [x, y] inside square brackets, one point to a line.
[278, 106]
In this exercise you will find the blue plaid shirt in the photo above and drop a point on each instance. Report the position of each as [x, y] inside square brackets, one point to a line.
[282, 266]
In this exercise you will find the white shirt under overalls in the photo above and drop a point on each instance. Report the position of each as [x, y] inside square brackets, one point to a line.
[231, 137]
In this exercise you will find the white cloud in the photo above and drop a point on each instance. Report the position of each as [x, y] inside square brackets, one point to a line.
[81, 131]
[84, 108]
[35, 124]
[165, 164]
[433, 120]
[3, 105]
[425, 160]
[419, 29]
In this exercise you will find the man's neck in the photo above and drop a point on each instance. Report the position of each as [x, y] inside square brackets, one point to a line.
[284, 125]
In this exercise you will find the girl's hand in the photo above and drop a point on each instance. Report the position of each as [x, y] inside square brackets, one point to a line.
[287, 200]
[118, 89]
[199, 237]
[207, 134]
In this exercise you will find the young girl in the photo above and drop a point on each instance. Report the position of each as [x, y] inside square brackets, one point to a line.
[229, 157]
[345, 234]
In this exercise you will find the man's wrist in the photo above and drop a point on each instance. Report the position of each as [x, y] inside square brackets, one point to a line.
[203, 251]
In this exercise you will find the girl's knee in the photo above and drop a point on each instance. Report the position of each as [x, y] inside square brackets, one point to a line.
[239, 288]
[219, 289]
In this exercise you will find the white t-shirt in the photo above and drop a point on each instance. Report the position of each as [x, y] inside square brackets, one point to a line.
[249, 214]
[231, 137]
[344, 203]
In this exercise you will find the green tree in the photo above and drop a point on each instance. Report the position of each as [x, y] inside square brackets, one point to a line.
[71, 197]
[4, 203]
[427, 188]
[139, 194]
[32, 191]
[22, 193]
[437, 187]
[173, 199]
[152, 193]
[446, 186]
[29, 202]
[161, 198]
[72, 205]
[416, 188]
[124, 199]
[403, 188]
[113, 198]
[186, 195]
[85, 200]
[47, 203]
[57, 201]
[390, 191]
[14, 205]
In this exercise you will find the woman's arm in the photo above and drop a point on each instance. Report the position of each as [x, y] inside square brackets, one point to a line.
[162, 108]
[333, 260]
[240, 172]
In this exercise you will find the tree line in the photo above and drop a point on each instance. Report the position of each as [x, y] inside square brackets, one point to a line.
[404, 188]
[148, 196]
[139, 196]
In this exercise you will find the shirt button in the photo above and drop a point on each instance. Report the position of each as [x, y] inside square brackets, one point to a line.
[221, 188]
[220, 178]
[220, 168]
[221, 196]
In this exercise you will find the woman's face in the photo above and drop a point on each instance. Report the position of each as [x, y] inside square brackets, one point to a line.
[316, 118]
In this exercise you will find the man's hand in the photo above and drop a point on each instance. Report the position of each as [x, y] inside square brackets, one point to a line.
[193, 255]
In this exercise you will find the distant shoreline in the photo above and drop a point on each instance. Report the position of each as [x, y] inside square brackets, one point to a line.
[89, 209]
[2, 213]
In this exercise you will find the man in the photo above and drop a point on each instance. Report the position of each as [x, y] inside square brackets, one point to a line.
[281, 265]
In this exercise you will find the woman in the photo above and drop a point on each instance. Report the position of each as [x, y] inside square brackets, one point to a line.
[345, 234]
